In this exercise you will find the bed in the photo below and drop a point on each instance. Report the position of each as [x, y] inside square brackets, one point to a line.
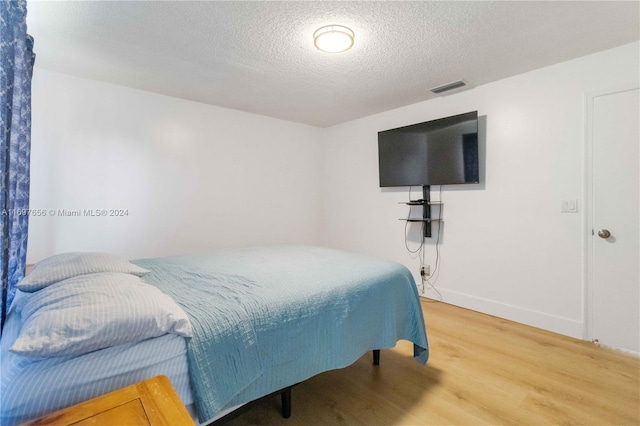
[260, 320]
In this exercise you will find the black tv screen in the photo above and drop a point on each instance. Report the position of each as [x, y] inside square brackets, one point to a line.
[437, 152]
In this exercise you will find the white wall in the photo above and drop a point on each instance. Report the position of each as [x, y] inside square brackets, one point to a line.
[193, 177]
[506, 249]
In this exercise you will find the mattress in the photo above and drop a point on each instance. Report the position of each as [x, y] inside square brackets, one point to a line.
[275, 316]
[263, 319]
[29, 389]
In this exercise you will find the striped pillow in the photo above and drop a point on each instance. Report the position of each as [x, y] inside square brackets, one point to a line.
[90, 312]
[68, 265]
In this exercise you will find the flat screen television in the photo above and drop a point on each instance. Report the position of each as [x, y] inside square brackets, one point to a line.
[437, 152]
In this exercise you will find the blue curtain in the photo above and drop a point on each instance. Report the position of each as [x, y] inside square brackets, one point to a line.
[16, 62]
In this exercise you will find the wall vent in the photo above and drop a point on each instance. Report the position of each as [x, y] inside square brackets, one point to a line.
[448, 86]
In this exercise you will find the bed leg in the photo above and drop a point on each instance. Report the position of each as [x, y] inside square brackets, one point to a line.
[286, 402]
[376, 357]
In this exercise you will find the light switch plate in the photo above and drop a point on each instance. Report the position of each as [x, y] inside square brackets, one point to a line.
[569, 206]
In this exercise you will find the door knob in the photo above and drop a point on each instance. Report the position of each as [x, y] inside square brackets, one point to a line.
[604, 233]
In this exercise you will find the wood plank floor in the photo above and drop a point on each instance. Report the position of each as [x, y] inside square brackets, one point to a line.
[482, 370]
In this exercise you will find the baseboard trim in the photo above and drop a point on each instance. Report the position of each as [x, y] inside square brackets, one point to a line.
[543, 320]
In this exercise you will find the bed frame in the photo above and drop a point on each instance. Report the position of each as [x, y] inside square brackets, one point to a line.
[285, 397]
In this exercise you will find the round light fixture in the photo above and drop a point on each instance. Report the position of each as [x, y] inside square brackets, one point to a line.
[333, 38]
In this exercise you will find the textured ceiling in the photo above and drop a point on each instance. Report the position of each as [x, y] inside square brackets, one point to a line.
[259, 57]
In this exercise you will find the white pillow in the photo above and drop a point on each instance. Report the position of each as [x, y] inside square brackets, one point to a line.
[90, 312]
[67, 265]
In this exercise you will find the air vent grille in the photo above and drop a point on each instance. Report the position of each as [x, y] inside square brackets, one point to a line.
[448, 86]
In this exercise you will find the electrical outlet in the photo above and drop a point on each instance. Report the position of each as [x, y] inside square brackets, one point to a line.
[425, 271]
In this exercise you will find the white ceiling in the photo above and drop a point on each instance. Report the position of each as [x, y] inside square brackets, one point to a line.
[259, 57]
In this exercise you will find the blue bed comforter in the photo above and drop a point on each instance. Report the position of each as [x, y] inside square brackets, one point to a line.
[266, 318]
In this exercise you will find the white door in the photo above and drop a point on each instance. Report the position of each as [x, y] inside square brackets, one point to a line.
[615, 219]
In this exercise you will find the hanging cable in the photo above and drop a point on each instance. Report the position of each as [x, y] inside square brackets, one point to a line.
[419, 252]
[434, 275]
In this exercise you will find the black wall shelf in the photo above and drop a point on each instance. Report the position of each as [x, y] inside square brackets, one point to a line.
[426, 204]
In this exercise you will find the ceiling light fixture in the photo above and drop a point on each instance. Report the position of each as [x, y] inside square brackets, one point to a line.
[333, 38]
